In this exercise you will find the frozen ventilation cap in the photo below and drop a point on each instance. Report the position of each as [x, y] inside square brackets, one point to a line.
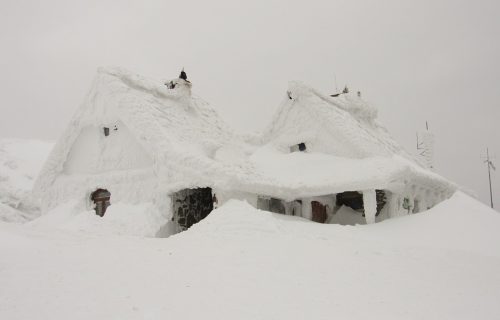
[183, 75]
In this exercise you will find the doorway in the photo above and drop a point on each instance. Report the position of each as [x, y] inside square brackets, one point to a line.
[101, 197]
[191, 206]
[318, 212]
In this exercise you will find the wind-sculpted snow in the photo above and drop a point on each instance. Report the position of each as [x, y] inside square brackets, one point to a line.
[20, 162]
[242, 263]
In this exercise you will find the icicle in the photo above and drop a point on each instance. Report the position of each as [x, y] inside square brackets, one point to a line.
[370, 205]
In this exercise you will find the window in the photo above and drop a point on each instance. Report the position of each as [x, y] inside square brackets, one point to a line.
[170, 85]
[101, 197]
[298, 147]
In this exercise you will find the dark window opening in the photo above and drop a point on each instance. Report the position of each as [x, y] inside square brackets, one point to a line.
[276, 206]
[106, 131]
[101, 197]
[381, 200]
[191, 206]
[298, 147]
[351, 199]
[271, 204]
[170, 85]
[354, 200]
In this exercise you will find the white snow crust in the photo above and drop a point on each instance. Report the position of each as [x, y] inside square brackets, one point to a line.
[20, 163]
[243, 263]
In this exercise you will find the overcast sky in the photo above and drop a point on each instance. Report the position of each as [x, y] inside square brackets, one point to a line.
[414, 60]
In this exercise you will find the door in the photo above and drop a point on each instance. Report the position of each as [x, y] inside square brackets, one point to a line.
[191, 206]
[318, 212]
[101, 199]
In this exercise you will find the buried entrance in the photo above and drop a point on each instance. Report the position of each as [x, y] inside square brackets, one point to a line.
[100, 197]
[191, 206]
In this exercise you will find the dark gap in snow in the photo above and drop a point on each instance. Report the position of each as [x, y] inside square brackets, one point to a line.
[101, 198]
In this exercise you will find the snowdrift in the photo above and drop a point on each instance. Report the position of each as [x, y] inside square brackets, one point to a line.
[20, 162]
[242, 263]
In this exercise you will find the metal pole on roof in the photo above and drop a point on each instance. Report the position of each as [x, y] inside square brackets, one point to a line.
[490, 165]
[336, 89]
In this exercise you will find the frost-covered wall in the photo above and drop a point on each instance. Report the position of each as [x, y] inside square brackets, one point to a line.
[93, 152]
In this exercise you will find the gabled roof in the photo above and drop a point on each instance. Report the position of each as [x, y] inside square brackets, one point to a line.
[191, 146]
[172, 126]
[347, 150]
[347, 124]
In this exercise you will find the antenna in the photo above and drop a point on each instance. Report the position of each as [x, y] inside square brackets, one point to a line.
[420, 145]
[490, 166]
[336, 88]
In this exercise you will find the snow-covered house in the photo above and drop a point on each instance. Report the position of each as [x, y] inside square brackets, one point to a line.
[157, 152]
[328, 159]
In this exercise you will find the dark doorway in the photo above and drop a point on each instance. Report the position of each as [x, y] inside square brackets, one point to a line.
[354, 200]
[351, 199]
[191, 206]
[101, 197]
[318, 212]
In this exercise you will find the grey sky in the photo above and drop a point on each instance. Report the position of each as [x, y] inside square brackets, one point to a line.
[414, 60]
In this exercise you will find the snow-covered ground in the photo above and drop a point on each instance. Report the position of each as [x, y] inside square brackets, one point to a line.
[242, 263]
[20, 162]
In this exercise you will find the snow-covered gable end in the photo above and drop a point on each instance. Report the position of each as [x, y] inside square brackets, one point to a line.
[345, 126]
[168, 157]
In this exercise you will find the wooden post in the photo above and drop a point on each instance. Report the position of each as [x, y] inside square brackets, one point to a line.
[370, 205]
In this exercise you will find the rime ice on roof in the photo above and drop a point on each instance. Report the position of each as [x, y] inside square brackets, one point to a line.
[162, 140]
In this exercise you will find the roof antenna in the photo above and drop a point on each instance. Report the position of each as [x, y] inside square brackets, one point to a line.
[336, 88]
[490, 166]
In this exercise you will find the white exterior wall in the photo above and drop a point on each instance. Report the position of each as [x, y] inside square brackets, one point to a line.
[93, 152]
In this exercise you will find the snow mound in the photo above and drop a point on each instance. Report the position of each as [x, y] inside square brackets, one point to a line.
[20, 162]
[142, 220]
[459, 223]
[242, 263]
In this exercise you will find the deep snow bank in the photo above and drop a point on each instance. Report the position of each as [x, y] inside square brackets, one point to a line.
[242, 263]
[143, 220]
[20, 162]
[460, 223]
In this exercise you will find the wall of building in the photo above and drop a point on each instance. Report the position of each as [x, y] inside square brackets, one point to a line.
[93, 152]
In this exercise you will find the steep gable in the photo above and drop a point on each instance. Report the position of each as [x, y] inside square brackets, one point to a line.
[167, 127]
[344, 126]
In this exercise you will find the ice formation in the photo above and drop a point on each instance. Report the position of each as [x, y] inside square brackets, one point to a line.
[144, 142]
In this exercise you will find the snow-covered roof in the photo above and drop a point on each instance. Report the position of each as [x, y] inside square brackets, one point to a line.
[189, 144]
[174, 127]
[346, 150]
[289, 176]
[344, 126]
